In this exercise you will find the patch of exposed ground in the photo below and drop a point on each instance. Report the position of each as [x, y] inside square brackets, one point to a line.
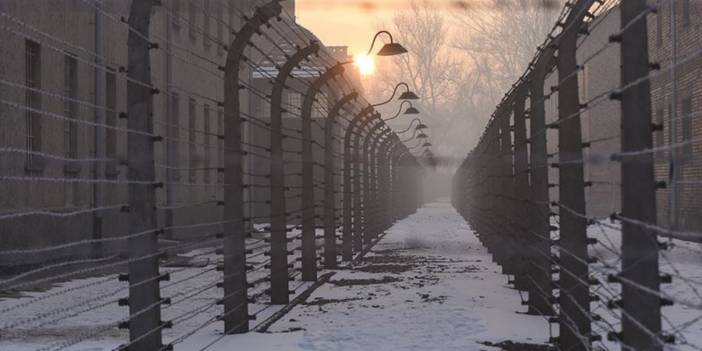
[518, 346]
[322, 301]
[370, 281]
[385, 268]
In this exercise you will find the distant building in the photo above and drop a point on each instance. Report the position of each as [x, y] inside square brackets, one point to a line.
[341, 54]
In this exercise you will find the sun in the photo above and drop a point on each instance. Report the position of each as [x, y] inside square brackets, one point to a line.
[365, 64]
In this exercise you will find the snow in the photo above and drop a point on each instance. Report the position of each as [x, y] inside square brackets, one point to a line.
[427, 285]
[444, 293]
[85, 312]
[681, 260]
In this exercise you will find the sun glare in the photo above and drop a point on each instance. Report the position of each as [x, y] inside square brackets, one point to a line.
[365, 64]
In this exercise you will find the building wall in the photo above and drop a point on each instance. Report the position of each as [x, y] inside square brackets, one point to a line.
[677, 105]
[184, 69]
[601, 123]
[44, 25]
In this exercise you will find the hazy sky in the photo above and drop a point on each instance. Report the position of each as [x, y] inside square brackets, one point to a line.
[344, 22]
[354, 22]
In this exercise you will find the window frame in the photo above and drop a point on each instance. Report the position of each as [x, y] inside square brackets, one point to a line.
[686, 18]
[70, 111]
[206, 115]
[206, 25]
[111, 119]
[659, 29]
[174, 136]
[192, 139]
[686, 108]
[192, 21]
[33, 104]
[176, 13]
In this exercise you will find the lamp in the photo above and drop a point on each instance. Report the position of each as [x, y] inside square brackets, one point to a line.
[406, 95]
[410, 111]
[390, 49]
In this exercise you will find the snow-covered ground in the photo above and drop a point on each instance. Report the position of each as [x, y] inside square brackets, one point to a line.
[680, 259]
[427, 285]
[83, 314]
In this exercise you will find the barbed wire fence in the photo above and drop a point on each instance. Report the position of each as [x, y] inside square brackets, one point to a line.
[174, 223]
[575, 184]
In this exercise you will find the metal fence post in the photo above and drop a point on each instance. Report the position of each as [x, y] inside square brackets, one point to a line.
[404, 188]
[236, 319]
[640, 326]
[369, 182]
[539, 268]
[329, 182]
[309, 240]
[358, 184]
[400, 174]
[482, 190]
[384, 182]
[521, 186]
[279, 242]
[144, 291]
[368, 175]
[417, 176]
[506, 181]
[376, 191]
[574, 301]
[349, 188]
[493, 189]
[394, 179]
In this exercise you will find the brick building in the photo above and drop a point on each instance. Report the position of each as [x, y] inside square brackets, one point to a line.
[679, 135]
[62, 72]
[674, 42]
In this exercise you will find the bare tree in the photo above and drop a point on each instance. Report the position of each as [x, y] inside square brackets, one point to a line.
[502, 38]
[429, 66]
[462, 63]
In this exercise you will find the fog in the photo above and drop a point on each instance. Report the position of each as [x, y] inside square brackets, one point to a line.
[462, 59]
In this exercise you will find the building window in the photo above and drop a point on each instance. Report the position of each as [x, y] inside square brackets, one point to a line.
[192, 178]
[220, 146]
[232, 22]
[658, 135]
[174, 135]
[220, 28]
[686, 13]
[318, 108]
[686, 120]
[294, 104]
[175, 14]
[208, 149]
[111, 120]
[192, 14]
[70, 111]
[659, 28]
[206, 37]
[32, 74]
[263, 108]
